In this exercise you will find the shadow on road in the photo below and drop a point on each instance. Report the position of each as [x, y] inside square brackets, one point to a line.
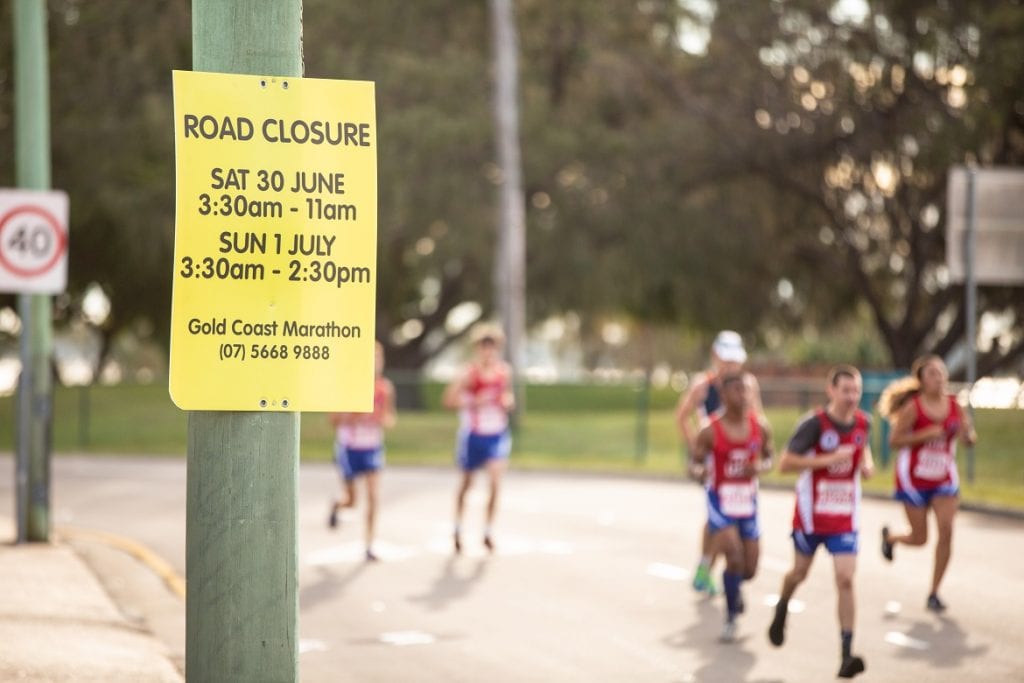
[452, 584]
[328, 584]
[720, 661]
[948, 643]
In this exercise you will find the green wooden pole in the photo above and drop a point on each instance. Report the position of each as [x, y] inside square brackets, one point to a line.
[32, 161]
[242, 604]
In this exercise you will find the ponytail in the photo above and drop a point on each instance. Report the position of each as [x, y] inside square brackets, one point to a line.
[896, 395]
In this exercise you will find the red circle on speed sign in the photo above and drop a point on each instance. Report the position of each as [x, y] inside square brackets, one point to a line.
[29, 248]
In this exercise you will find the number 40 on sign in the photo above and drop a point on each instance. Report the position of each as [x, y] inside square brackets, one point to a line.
[33, 241]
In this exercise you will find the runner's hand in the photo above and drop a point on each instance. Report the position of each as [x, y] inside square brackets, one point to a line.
[842, 455]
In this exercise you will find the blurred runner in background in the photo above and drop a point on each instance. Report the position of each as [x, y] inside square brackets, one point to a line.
[483, 395]
[359, 451]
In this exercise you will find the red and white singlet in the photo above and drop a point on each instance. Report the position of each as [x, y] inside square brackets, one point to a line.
[930, 465]
[736, 491]
[483, 412]
[364, 431]
[828, 499]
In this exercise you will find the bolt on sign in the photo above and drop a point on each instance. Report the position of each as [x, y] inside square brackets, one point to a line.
[33, 241]
[275, 243]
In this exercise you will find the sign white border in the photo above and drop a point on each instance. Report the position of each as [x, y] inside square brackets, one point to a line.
[51, 276]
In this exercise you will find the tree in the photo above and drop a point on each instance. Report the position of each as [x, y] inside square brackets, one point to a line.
[113, 151]
[857, 120]
[790, 175]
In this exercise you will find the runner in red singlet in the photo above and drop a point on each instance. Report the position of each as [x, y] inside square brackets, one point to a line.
[484, 398]
[830, 450]
[359, 450]
[927, 424]
[693, 412]
[730, 454]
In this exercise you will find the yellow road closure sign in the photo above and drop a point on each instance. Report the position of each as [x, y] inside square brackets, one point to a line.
[275, 247]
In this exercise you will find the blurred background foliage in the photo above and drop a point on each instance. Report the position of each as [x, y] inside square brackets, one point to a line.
[776, 167]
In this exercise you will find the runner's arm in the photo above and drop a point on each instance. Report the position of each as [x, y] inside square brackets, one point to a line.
[508, 396]
[794, 462]
[755, 394]
[685, 411]
[867, 462]
[767, 447]
[388, 415]
[698, 458]
[967, 434]
[453, 396]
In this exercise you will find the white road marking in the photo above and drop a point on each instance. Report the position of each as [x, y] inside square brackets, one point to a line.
[903, 640]
[795, 606]
[663, 570]
[405, 638]
[310, 645]
[892, 607]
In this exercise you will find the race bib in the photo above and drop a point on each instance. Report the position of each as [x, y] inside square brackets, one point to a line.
[834, 497]
[490, 419]
[932, 464]
[363, 437]
[737, 500]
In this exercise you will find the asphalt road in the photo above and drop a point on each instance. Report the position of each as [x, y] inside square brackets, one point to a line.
[590, 581]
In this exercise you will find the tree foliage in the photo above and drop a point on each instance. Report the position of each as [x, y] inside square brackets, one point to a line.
[857, 121]
[789, 176]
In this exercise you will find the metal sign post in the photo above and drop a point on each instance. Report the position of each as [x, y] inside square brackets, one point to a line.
[984, 245]
[32, 161]
[971, 296]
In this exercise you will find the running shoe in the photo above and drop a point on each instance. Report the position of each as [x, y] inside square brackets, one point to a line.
[370, 556]
[886, 545]
[936, 605]
[851, 666]
[332, 518]
[728, 632]
[458, 545]
[777, 631]
[702, 581]
[489, 544]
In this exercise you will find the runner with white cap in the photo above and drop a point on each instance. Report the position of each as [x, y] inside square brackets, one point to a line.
[694, 412]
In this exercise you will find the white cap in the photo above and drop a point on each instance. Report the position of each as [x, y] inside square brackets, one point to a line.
[728, 346]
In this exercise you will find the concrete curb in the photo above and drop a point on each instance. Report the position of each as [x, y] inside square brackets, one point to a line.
[155, 563]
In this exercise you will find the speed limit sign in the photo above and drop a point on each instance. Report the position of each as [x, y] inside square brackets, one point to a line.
[33, 241]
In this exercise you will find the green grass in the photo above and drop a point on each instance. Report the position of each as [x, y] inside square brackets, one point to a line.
[566, 428]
